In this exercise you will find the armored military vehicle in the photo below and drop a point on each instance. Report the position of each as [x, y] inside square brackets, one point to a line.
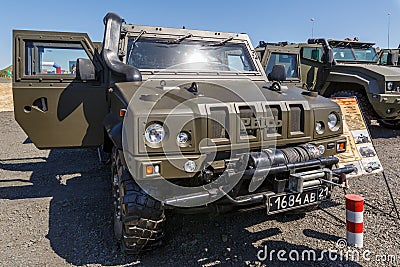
[188, 118]
[340, 68]
[372, 166]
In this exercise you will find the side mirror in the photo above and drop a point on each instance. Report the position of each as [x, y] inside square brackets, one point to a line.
[329, 55]
[277, 74]
[85, 70]
[392, 58]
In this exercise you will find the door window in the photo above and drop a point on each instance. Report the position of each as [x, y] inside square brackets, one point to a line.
[289, 61]
[52, 58]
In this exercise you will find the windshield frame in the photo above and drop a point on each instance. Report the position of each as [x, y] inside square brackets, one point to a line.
[167, 34]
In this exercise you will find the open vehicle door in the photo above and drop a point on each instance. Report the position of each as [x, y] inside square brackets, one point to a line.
[54, 105]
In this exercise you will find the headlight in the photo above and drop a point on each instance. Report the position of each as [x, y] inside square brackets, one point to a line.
[319, 127]
[190, 166]
[183, 137]
[389, 86]
[333, 122]
[155, 133]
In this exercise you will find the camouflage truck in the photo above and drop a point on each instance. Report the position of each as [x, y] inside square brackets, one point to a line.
[340, 68]
[187, 118]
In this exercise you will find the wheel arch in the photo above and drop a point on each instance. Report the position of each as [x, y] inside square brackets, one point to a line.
[113, 132]
[344, 86]
[348, 80]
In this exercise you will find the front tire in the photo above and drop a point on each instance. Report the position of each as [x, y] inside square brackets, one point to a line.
[390, 124]
[138, 218]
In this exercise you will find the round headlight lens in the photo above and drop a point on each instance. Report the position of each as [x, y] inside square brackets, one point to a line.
[155, 133]
[333, 122]
[389, 86]
[319, 127]
[183, 137]
[190, 166]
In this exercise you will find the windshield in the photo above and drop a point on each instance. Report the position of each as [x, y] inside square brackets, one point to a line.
[355, 54]
[193, 55]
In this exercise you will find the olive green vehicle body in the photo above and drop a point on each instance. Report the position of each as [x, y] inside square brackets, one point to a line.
[110, 103]
[317, 74]
[81, 113]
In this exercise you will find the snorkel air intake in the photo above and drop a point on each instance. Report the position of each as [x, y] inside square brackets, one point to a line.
[112, 34]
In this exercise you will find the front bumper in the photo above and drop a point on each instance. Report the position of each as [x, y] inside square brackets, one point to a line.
[317, 181]
[387, 106]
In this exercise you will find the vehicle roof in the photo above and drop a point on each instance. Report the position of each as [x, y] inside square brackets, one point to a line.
[262, 45]
[166, 32]
[336, 43]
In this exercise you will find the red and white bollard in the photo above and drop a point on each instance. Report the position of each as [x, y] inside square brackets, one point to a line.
[355, 220]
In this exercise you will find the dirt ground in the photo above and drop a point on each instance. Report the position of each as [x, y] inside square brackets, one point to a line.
[56, 210]
[6, 102]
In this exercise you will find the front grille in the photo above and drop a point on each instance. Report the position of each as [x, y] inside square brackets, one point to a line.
[296, 118]
[218, 123]
[253, 125]
[276, 112]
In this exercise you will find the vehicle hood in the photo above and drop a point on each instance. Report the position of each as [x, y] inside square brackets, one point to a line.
[388, 73]
[176, 93]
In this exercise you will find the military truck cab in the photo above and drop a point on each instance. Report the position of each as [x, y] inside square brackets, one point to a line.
[389, 57]
[349, 68]
[285, 54]
[189, 118]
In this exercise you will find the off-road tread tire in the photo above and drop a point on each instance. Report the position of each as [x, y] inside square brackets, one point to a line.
[142, 216]
[365, 106]
[390, 124]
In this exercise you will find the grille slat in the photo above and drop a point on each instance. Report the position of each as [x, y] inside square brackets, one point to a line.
[276, 113]
[246, 112]
[296, 118]
[219, 122]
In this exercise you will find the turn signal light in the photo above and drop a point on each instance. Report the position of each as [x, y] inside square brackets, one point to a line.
[149, 169]
[152, 169]
[341, 146]
[122, 112]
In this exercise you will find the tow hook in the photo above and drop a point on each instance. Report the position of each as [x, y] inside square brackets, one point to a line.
[340, 176]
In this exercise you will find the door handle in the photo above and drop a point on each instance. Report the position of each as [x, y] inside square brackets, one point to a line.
[39, 104]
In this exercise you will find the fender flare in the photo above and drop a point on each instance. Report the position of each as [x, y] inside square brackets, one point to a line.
[369, 84]
[113, 127]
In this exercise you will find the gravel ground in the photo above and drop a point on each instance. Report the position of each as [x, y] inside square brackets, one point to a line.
[56, 210]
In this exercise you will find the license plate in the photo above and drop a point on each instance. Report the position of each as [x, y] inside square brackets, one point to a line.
[294, 200]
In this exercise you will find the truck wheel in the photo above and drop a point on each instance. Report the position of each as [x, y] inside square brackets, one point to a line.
[390, 124]
[138, 218]
[365, 106]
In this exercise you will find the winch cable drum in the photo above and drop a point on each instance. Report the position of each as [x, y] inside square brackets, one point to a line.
[269, 157]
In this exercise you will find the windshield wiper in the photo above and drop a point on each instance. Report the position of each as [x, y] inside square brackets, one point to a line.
[134, 42]
[176, 41]
[223, 42]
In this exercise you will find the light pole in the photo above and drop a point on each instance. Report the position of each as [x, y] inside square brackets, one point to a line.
[312, 27]
[388, 35]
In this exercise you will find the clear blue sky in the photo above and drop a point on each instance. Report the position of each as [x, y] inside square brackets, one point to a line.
[269, 20]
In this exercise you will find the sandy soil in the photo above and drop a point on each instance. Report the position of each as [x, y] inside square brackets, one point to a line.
[6, 100]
